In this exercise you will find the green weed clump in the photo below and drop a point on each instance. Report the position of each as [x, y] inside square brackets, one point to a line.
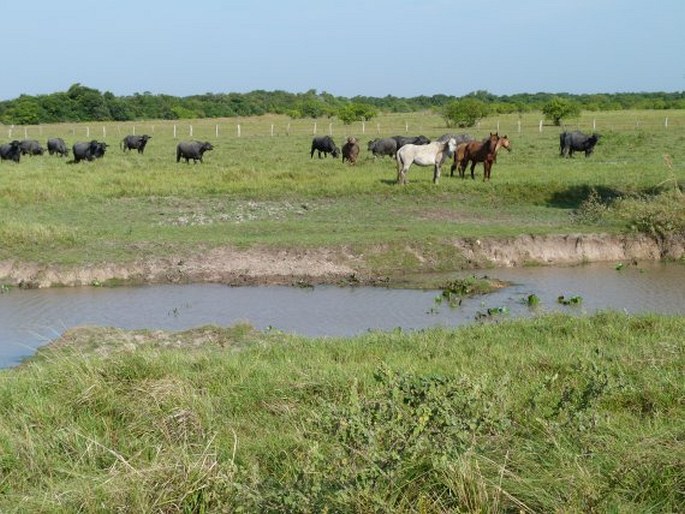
[659, 216]
[552, 414]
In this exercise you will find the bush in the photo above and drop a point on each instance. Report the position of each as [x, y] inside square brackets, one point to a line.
[558, 108]
[660, 216]
[464, 113]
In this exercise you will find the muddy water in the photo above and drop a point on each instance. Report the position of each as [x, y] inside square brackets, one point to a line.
[29, 319]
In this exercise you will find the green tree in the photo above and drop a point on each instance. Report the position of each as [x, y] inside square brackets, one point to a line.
[558, 109]
[24, 111]
[465, 112]
[356, 112]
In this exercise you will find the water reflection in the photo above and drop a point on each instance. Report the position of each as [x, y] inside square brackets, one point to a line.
[29, 319]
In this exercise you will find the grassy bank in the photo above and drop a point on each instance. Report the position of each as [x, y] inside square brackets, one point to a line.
[259, 190]
[555, 414]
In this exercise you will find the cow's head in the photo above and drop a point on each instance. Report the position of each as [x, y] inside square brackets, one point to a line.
[207, 146]
[591, 142]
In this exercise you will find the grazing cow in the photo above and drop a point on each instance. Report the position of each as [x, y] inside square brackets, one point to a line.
[30, 147]
[413, 140]
[350, 150]
[459, 138]
[431, 154]
[192, 150]
[10, 151]
[56, 145]
[89, 151]
[576, 141]
[386, 146]
[326, 145]
[135, 143]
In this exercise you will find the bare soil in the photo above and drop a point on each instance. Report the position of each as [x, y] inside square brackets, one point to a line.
[339, 266]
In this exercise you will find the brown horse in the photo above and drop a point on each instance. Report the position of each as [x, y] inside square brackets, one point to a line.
[479, 151]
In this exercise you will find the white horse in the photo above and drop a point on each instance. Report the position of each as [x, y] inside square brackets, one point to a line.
[432, 154]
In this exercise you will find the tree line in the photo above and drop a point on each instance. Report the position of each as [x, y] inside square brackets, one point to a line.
[82, 103]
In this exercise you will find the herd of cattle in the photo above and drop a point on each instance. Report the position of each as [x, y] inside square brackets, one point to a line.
[405, 150]
[91, 150]
[464, 149]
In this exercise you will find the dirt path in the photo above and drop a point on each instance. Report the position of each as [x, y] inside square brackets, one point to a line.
[329, 266]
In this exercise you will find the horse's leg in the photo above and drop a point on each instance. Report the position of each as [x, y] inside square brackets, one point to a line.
[486, 169]
[401, 171]
[436, 173]
[473, 167]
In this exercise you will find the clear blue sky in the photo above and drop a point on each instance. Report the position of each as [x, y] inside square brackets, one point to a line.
[344, 47]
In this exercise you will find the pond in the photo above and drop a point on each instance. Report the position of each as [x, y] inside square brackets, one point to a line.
[32, 318]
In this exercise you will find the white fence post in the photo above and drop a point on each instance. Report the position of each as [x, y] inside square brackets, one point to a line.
[314, 127]
[134, 130]
[378, 128]
[190, 130]
[26, 133]
[497, 125]
[519, 126]
[287, 129]
[406, 126]
[87, 132]
[216, 131]
[238, 128]
[666, 122]
[104, 132]
[330, 129]
[174, 131]
[272, 130]
[363, 127]
[540, 127]
[594, 124]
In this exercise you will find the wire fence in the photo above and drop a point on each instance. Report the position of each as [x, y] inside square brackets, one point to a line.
[386, 125]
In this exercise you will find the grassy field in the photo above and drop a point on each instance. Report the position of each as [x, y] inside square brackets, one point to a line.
[551, 414]
[264, 190]
[555, 414]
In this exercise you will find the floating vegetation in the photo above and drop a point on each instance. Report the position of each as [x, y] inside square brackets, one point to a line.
[533, 300]
[619, 266]
[571, 300]
[455, 290]
[491, 312]
[5, 288]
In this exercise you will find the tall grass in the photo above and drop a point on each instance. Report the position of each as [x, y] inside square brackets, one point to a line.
[553, 414]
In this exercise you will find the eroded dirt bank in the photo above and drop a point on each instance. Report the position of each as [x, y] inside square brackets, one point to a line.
[326, 266]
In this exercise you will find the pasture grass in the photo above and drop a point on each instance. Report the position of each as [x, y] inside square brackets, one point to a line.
[263, 190]
[556, 413]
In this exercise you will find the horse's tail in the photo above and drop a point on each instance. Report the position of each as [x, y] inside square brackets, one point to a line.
[399, 159]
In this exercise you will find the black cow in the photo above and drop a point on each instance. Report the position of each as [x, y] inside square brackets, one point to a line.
[56, 145]
[576, 141]
[459, 138]
[413, 140]
[326, 145]
[192, 150]
[350, 150]
[385, 146]
[30, 147]
[135, 143]
[89, 151]
[10, 151]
